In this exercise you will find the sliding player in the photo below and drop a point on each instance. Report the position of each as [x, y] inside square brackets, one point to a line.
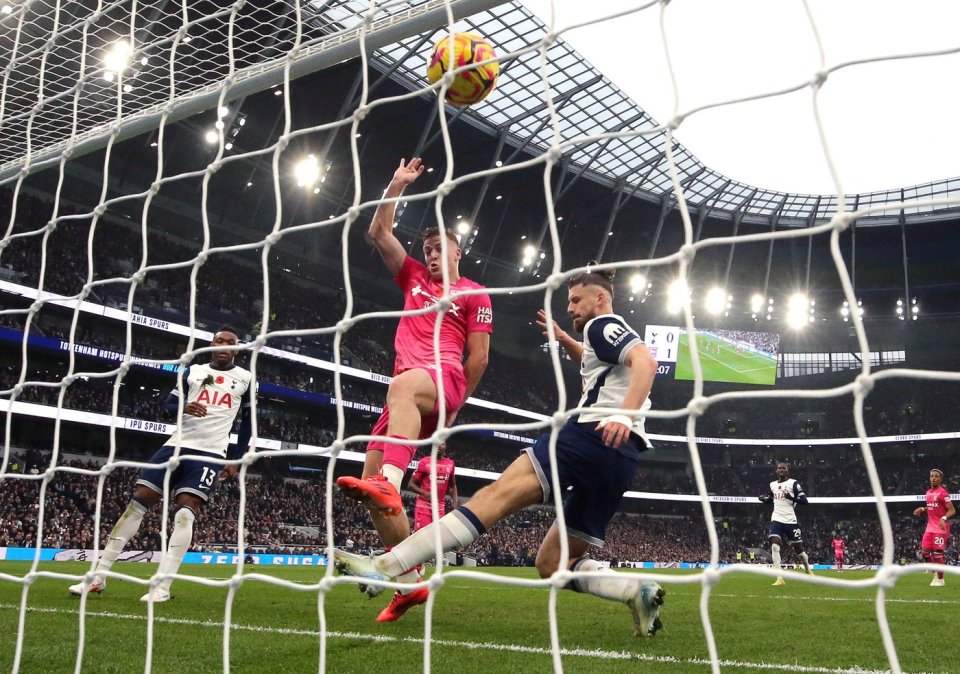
[939, 510]
[785, 493]
[216, 393]
[413, 402]
[597, 455]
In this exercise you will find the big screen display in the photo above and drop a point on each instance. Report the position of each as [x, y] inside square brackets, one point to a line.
[736, 356]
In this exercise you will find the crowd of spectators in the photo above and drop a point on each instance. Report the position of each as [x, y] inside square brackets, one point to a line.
[767, 342]
[289, 515]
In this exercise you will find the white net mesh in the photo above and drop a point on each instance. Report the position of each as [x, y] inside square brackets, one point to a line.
[63, 97]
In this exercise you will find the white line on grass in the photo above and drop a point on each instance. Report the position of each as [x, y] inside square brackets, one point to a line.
[871, 600]
[513, 648]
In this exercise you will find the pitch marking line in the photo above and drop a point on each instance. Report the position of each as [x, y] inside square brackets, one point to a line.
[513, 648]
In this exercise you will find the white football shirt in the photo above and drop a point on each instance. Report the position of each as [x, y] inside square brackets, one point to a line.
[784, 510]
[606, 340]
[223, 392]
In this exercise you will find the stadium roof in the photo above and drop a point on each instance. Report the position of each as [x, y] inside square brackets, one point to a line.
[589, 108]
[601, 218]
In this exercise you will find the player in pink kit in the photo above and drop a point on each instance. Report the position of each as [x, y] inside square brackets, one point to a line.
[939, 510]
[839, 547]
[446, 484]
[413, 399]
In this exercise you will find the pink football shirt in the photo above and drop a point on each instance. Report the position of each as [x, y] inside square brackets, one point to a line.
[414, 341]
[445, 471]
[937, 501]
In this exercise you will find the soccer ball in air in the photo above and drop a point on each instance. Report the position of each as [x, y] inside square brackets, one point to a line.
[469, 86]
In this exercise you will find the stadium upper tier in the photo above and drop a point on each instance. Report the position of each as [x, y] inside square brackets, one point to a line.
[589, 109]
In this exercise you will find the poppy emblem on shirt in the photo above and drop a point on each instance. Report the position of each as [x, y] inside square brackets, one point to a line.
[220, 379]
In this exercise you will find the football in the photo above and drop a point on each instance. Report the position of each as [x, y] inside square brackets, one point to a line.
[469, 86]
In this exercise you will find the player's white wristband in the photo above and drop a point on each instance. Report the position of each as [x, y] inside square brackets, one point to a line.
[617, 419]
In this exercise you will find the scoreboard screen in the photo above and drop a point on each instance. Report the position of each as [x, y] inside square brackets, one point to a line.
[736, 356]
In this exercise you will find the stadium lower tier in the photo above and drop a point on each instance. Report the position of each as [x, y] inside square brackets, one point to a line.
[289, 515]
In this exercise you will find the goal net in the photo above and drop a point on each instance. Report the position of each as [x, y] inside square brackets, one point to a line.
[168, 168]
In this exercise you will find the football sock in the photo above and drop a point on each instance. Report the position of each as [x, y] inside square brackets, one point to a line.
[178, 545]
[396, 458]
[617, 589]
[775, 554]
[409, 576]
[806, 561]
[122, 532]
[937, 557]
[394, 475]
[457, 530]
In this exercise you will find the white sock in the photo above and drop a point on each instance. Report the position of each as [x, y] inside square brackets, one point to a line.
[411, 576]
[122, 531]
[393, 474]
[456, 531]
[775, 553]
[617, 589]
[179, 543]
[806, 561]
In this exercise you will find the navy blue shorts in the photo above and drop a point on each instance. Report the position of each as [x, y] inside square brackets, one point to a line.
[788, 533]
[193, 476]
[593, 475]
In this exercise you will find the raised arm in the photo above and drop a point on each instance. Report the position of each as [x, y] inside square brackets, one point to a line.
[571, 345]
[381, 227]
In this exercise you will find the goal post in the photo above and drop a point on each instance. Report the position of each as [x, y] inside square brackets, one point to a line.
[20, 112]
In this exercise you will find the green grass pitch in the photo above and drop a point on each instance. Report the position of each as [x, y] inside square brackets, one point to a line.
[478, 626]
[721, 362]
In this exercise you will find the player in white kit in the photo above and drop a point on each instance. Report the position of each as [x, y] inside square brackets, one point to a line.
[215, 393]
[785, 493]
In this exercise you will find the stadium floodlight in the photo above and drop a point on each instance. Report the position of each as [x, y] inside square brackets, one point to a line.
[637, 282]
[715, 301]
[797, 310]
[307, 171]
[463, 228]
[117, 58]
[678, 296]
[529, 251]
[223, 111]
[756, 303]
[211, 136]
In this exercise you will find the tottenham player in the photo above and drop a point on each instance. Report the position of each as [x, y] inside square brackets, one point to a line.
[597, 455]
[785, 493]
[939, 509]
[412, 409]
[215, 394]
[420, 484]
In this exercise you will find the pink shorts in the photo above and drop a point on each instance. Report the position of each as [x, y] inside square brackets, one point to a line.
[454, 388]
[934, 540]
[422, 517]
